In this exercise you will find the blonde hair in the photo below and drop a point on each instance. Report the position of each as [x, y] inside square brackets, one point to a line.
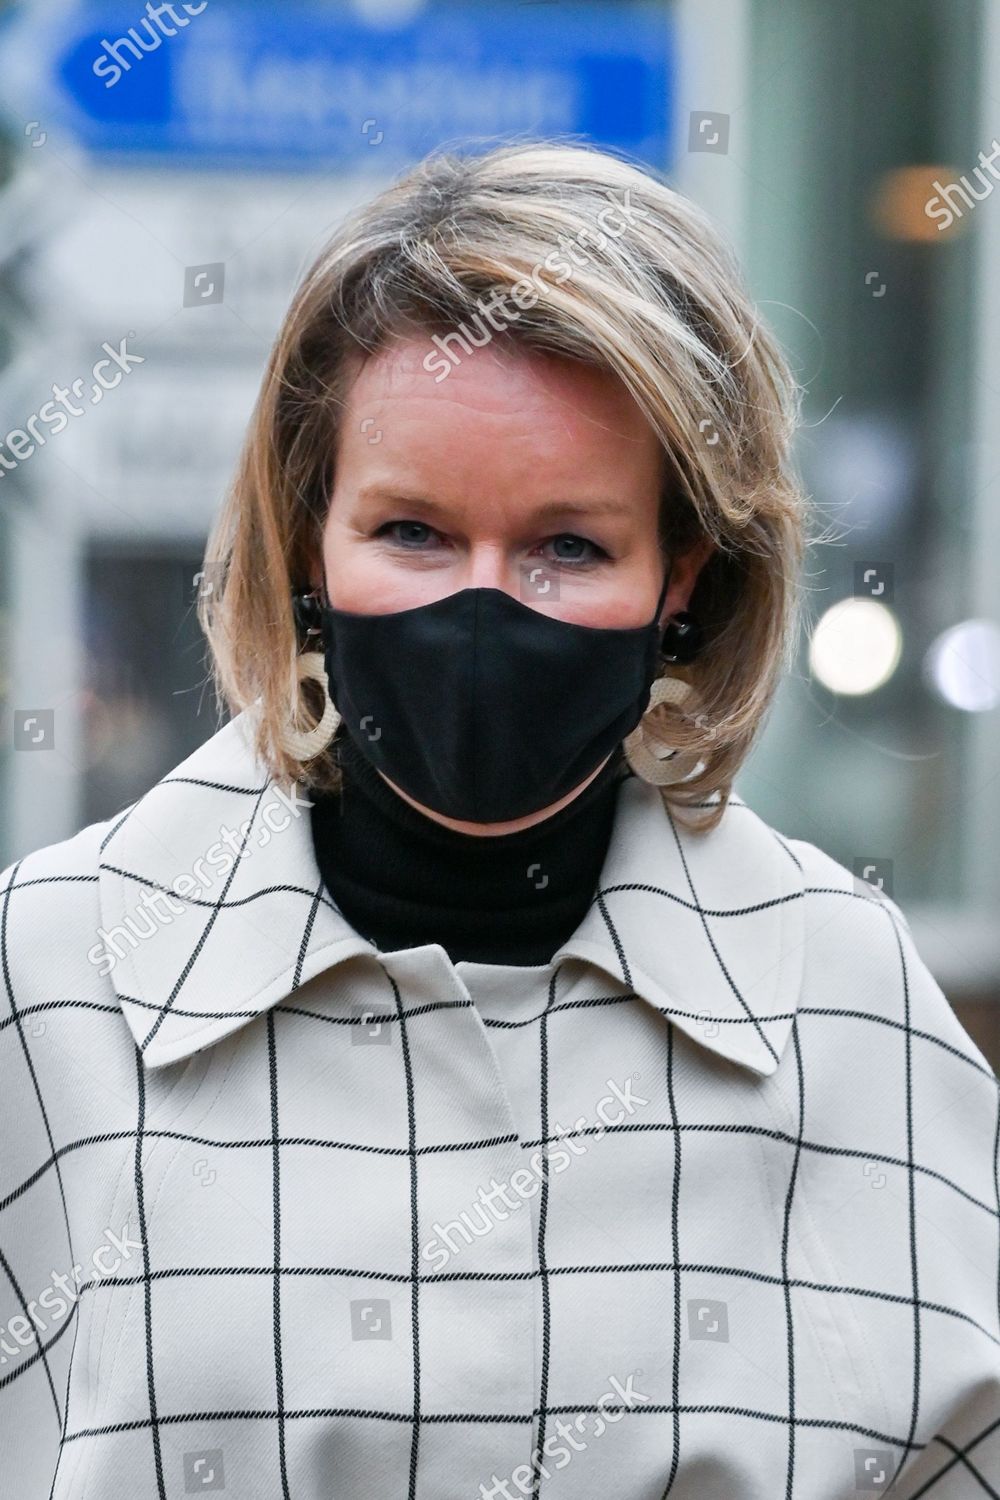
[663, 306]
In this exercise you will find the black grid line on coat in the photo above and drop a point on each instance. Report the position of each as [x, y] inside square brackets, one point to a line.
[615, 1268]
[272, 1058]
[785, 1231]
[147, 1283]
[911, 1194]
[543, 1209]
[501, 1418]
[411, 1128]
[675, 1246]
[627, 1127]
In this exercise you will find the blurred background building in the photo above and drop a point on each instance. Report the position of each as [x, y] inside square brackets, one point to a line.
[169, 171]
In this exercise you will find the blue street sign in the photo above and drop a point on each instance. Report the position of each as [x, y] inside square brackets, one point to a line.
[215, 83]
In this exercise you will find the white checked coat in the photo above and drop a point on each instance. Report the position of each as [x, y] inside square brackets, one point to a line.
[705, 1208]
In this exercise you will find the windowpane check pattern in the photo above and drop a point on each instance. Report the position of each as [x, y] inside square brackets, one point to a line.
[707, 1207]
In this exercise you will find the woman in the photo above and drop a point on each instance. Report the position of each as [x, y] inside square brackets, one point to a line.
[440, 1085]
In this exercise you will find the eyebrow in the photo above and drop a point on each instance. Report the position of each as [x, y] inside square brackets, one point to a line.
[607, 506]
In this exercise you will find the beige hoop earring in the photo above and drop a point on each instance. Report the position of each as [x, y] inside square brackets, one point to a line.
[661, 766]
[305, 744]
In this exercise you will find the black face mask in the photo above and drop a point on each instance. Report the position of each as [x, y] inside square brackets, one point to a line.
[481, 707]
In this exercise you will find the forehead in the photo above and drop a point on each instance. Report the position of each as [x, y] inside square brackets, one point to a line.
[487, 379]
[529, 416]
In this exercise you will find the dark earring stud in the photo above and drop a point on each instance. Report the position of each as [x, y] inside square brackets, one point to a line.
[681, 640]
[307, 606]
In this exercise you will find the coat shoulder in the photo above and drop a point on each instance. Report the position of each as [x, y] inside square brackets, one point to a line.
[78, 856]
[50, 910]
[859, 940]
[823, 873]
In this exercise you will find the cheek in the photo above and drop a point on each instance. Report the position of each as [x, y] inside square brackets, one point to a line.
[362, 576]
[622, 599]
[615, 613]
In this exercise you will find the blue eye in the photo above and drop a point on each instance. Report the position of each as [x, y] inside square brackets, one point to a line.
[405, 538]
[389, 525]
[574, 559]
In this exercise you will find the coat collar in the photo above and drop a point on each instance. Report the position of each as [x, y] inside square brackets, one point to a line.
[708, 928]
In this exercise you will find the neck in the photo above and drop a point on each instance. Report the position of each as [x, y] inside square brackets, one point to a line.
[403, 878]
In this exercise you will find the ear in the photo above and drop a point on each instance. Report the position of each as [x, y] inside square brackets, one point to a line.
[316, 572]
[687, 566]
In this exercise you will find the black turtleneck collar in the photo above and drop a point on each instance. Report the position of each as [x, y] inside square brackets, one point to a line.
[402, 879]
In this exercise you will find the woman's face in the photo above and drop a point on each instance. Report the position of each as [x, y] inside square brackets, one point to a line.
[519, 471]
[515, 462]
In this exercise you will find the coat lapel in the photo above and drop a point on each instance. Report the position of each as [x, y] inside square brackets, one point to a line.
[709, 928]
[214, 910]
[212, 902]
